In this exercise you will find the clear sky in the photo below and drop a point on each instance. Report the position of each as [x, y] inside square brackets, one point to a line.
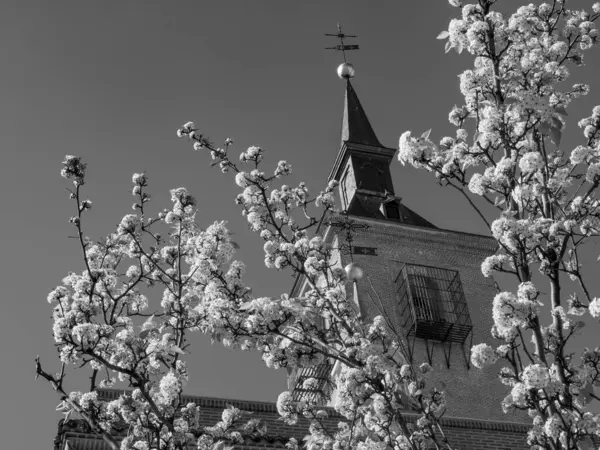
[112, 81]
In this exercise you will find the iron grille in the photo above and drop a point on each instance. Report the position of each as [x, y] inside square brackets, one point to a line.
[322, 389]
[432, 303]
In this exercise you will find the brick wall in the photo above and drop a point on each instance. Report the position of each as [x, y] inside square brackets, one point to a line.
[471, 392]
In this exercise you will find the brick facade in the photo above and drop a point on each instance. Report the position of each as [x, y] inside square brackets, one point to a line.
[471, 393]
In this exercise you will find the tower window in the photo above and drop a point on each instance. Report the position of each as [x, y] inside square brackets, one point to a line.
[392, 211]
[432, 303]
[345, 189]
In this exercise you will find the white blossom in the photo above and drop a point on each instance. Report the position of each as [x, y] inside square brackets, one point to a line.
[536, 376]
[483, 355]
[594, 308]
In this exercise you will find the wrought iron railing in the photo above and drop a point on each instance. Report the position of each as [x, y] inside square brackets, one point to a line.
[318, 390]
[432, 303]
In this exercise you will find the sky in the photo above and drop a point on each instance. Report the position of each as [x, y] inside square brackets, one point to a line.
[112, 81]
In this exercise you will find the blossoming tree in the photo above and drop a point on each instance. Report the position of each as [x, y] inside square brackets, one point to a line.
[507, 151]
[103, 321]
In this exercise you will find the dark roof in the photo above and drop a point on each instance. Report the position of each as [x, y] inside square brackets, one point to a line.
[409, 217]
[76, 434]
[369, 206]
[356, 126]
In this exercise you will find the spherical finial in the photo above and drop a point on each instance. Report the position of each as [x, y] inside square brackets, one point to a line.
[354, 272]
[346, 70]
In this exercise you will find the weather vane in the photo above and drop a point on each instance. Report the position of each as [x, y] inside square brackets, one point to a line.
[342, 47]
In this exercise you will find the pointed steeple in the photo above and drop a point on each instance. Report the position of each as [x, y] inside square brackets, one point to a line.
[356, 127]
[361, 154]
[362, 166]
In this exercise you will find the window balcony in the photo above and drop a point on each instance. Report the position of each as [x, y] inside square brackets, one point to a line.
[321, 390]
[432, 304]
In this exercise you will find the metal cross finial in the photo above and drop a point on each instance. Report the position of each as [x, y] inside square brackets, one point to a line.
[342, 47]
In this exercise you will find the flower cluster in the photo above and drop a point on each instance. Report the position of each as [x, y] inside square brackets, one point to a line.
[417, 151]
[483, 355]
[252, 154]
[535, 376]
[73, 168]
[594, 308]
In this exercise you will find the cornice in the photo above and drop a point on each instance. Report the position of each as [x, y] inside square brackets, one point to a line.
[430, 237]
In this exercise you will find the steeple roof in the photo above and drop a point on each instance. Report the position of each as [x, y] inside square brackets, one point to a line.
[362, 166]
[356, 126]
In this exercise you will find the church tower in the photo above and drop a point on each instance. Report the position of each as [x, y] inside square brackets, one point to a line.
[426, 279]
